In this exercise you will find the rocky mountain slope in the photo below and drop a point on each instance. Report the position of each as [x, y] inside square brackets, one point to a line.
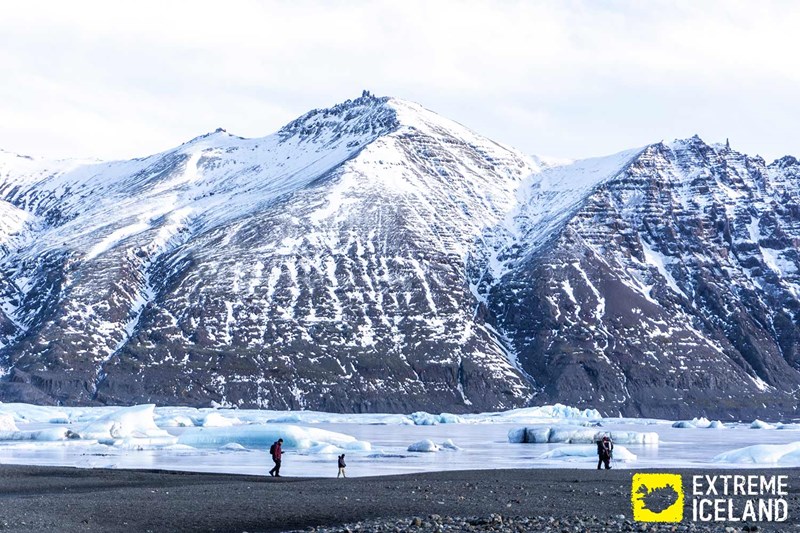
[374, 256]
[658, 281]
[320, 267]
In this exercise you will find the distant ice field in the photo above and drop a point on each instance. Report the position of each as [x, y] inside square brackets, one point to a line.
[237, 441]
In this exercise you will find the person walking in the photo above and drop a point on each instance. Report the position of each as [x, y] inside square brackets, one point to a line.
[604, 452]
[341, 467]
[276, 453]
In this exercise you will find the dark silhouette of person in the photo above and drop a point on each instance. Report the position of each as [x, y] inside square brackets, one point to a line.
[604, 452]
[276, 453]
[341, 467]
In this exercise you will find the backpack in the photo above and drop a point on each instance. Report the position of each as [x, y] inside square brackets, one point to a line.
[272, 449]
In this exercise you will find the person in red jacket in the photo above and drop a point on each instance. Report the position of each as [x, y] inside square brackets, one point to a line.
[276, 453]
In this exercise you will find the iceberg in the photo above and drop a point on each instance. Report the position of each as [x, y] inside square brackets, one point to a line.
[577, 435]
[7, 423]
[421, 418]
[585, 452]
[428, 446]
[533, 415]
[216, 420]
[775, 454]
[23, 412]
[125, 423]
[760, 424]
[176, 421]
[701, 422]
[45, 435]
[425, 446]
[263, 435]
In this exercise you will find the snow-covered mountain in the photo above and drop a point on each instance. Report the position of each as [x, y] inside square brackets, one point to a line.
[374, 256]
[319, 267]
[656, 281]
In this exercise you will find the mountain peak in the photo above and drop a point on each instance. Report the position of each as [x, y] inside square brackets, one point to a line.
[785, 162]
[365, 115]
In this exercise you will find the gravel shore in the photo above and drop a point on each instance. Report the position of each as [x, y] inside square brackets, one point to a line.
[559, 500]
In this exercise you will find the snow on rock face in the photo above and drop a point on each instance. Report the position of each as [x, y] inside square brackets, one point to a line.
[655, 282]
[378, 244]
[263, 272]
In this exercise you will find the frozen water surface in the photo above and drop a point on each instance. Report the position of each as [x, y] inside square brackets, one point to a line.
[237, 441]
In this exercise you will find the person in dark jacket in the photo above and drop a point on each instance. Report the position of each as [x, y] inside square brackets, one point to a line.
[604, 452]
[276, 453]
[341, 467]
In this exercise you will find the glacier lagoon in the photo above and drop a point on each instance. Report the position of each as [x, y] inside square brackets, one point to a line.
[237, 441]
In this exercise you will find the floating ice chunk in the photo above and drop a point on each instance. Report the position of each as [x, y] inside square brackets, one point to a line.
[286, 419]
[578, 435]
[263, 435]
[421, 418]
[23, 412]
[450, 445]
[784, 454]
[693, 423]
[582, 452]
[760, 424]
[716, 424]
[449, 418]
[179, 448]
[143, 443]
[357, 446]
[46, 434]
[324, 449]
[230, 447]
[517, 435]
[426, 445]
[7, 423]
[544, 413]
[216, 420]
[177, 421]
[572, 434]
[127, 422]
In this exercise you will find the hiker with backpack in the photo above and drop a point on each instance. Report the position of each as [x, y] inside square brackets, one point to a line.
[605, 450]
[276, 453]
[341, 467]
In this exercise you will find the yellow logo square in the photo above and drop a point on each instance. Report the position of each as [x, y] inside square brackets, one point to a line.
[657, 497]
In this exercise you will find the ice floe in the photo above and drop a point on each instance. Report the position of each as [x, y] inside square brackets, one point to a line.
[772, 454]
[578, 435]
[582, 452]
[701, 423]
[134, 422]
[428, 446]
[263, 435]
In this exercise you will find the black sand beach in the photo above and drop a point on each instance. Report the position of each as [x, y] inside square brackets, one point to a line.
[69, 499]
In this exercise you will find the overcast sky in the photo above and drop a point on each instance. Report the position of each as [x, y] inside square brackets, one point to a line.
[566, 79]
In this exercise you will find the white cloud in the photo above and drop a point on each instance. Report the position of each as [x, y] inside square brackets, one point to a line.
[113, 79]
